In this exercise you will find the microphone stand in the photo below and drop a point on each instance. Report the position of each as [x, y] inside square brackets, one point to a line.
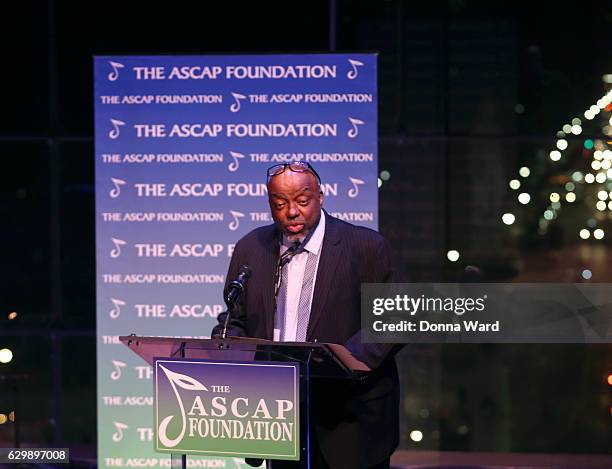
[226, 322]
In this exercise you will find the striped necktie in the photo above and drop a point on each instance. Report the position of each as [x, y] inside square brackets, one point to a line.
[305, 296]
[303, 311]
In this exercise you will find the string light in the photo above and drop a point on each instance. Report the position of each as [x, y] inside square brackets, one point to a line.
[416, 435]
[6, 355]
[600, 162]
[453, 255]
[508, 218]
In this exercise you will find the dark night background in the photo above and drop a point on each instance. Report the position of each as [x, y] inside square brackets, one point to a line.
[469, 92]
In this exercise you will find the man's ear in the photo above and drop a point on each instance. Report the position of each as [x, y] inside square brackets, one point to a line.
[320, 197]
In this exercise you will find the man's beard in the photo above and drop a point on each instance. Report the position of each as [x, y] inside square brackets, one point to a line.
[296, 237]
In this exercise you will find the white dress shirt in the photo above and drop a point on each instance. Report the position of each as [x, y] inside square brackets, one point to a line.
[296, 268]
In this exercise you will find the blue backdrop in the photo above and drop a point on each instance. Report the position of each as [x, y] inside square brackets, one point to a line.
[182, 147]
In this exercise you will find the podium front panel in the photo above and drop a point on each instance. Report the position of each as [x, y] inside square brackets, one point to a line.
[227, 408]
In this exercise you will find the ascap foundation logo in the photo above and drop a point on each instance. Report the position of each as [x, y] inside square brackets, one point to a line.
[116, 190]
[115, 132]
[353, 73]
[118, 434]
[235, 164]
[237, 98]
[354, 130]
[354, 190]
[235, 223]
[116, 66]
[227, 409]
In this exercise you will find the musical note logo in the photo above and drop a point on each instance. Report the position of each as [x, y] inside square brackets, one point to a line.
[354, 191]
[115, 375]
[353, 73]
[116, 311]
[236, 222]
[116, 191]
[237, 98]
[234, 165]
[116, 252]
[354, 131]
[114, 133]
[112, 76]
[183, 382]
[118, 435]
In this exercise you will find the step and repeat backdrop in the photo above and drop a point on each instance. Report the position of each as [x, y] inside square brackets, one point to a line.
[182, 146]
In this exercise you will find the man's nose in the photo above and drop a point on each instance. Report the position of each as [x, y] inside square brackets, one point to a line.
[293, 210]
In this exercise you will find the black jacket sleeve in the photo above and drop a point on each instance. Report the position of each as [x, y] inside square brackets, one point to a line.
[373, 354]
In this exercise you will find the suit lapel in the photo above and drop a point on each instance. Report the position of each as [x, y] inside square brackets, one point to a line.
[330, 257]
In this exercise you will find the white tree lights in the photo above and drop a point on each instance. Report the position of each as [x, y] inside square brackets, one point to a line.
[590, 185]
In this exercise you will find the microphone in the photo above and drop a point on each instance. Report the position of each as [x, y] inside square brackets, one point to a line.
[236, 287]
[234, 291]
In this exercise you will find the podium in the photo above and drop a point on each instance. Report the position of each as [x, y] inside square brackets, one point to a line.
[275, 379]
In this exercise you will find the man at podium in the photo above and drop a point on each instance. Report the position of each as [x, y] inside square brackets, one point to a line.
[306, 272]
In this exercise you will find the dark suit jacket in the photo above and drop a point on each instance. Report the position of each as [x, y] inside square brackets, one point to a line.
[356, 423]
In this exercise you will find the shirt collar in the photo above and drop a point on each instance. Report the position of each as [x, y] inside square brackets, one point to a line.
[316, 240]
